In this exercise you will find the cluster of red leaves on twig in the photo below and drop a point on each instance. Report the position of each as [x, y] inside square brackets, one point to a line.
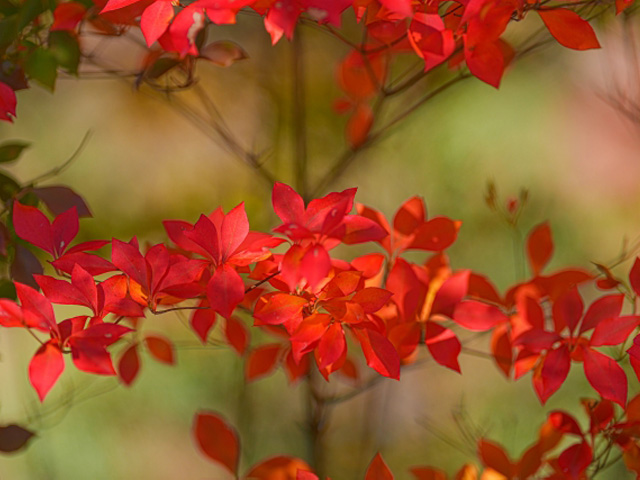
[318, 305]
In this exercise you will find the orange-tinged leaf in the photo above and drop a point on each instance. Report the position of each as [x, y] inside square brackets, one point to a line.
[467, 472]
[539, 247]
[378, 469]
[427, 473]
[278, 468]
[237, 334]
[569, 29]
[493, 456]
[217, 440]
[129, 365]
[161, 349]
[262, 361]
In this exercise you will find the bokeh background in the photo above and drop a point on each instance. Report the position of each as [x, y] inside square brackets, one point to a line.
[550, 129]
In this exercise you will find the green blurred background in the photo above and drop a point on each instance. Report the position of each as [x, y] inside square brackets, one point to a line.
[548, 129]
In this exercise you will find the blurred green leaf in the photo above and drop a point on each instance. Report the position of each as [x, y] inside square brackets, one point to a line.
[10, 151]
[8, 186]
[42, 67]
[8, 30]
[7, 289]
[29, 10]
[66, 50]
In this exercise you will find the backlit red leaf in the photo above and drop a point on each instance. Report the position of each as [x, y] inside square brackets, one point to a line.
[378, 469]
[45, 368]
[155, 20]
[478, 316]
[435, 235]
[359, 125]
[262, 361]
[575, 459]
[443, 345]
[539, 247]
[225, 290]
[606, 376]
[217, 440]
[608, 306]
[379, 353]
[236, 334]
[277, 468]
[7, 102]
[555, 368]
[569, 29]
[161, 349]
[494, 456]
[614, 331]
[129, 365]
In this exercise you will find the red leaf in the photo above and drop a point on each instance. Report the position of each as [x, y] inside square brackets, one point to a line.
[567, 310]
[234, 229]
[276, 468]
[359, 125]
[130, 261]
[161, 349]
[575, 459]
[427, 473]
[236, 334]
[262, 361]
[451, 293]
[378, 469]
[477, 316]
[605, 375]
[539, 247]
[443, 345]
[7, 102]
[315, 265]
[280, 308]
[410, 215]
[33, 226]
[202, 321]
[486, 62]
[332, 345]
[45, 368]
[129, 365]
[372, 299]
[287, 204]
[555, 368]
[217, 440]
[608, 306]
[493, 456]
[67, 15]
[502, 349]
[569, 29]
[614, 331]
[225, 290]
[360, 229]
[155, 20]
[435, 235]
[380, 353]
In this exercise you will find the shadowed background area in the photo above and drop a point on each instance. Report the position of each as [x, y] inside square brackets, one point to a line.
[553, 128]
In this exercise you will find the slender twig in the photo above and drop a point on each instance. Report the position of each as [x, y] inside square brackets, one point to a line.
[299, 114]
[60, 168]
